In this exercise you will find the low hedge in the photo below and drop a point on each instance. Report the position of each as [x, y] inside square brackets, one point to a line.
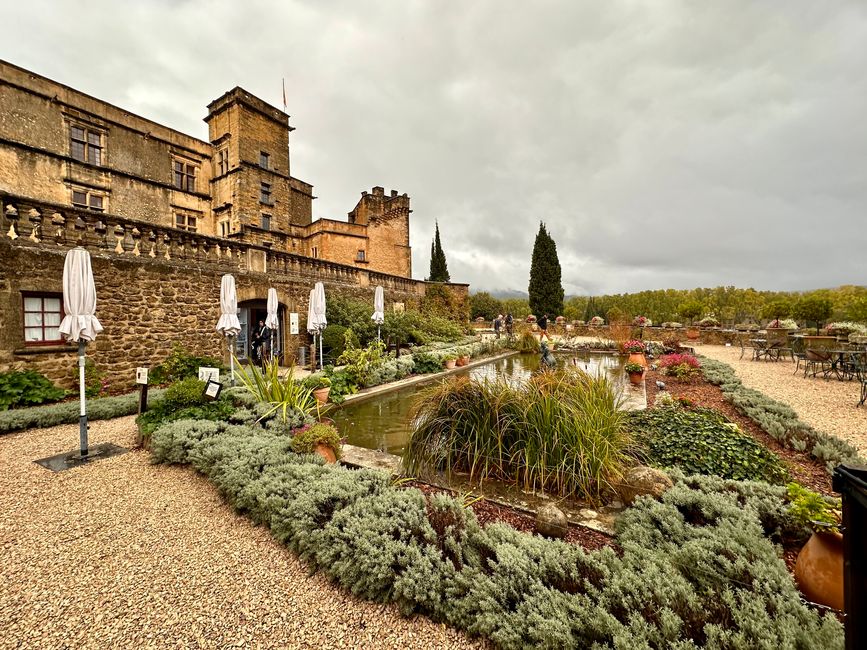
[779, 420]
[103, 408]
[697, 569]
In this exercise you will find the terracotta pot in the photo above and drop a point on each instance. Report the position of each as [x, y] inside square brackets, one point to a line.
[637, 357]
[693, 333]
[321, 394]
[326, 452]
[819, 569]
[461, 361]
[450, 364]
[635, 378]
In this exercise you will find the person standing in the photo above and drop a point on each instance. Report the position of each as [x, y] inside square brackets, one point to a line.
[543, 327]
[509, 323]
[498, 323]
[260, 338]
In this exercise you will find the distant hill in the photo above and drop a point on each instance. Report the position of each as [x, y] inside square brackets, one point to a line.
[505, 294]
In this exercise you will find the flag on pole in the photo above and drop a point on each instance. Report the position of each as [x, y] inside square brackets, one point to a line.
[284, 94]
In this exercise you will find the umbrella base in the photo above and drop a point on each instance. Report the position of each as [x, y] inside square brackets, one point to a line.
[72, 459]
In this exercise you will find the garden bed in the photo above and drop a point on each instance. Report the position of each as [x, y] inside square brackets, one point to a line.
[804, 469]
[488, 512]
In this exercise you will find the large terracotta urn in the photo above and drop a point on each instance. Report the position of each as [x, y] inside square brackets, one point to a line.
[327, 453]
[819, 569]
[637, 357]
[693, 333]
[635, 378]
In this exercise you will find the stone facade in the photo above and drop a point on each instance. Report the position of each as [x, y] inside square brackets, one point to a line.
[156, 287]
[64, 147]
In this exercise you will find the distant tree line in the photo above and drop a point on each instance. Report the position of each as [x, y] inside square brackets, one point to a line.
[730, 305]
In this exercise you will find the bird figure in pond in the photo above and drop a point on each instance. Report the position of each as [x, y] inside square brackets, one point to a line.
[547, 358]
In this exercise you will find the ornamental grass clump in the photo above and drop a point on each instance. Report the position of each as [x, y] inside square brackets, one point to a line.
[284, 394]
[562, 431]
[527, 343]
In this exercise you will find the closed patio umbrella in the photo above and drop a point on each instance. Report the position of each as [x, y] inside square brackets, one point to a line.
[80, 323]
[319, 314]
[271, 321]
[312, 328]
[378, 309]
[229, 325]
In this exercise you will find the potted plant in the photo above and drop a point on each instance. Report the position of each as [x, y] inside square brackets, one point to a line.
[319, 438]
[449, 361]
[635, 349]
[819, 567]
[635, 372]
[321, 387]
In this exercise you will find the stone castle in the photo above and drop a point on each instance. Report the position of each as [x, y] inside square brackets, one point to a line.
[164, 216]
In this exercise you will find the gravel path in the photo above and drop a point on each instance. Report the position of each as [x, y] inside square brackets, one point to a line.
[826, 404]
[124, 554]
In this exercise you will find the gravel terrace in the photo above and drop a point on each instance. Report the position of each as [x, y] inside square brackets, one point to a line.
[826, 404]
[125, 554]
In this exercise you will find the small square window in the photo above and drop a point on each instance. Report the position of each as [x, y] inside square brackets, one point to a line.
[85, 144]
[266, 221]
[360, 256]
[89, 200]
[264, 160]
[186, 222]
[42, 316]
[184, 176]
[265, 193]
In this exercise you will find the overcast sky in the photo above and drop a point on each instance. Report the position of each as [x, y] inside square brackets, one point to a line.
[665, 144]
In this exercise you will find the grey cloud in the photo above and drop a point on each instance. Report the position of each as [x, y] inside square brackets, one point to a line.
[665, 145]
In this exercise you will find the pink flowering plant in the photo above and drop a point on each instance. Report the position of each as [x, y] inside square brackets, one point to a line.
[634, 347]
[680, 365]
[642, 321]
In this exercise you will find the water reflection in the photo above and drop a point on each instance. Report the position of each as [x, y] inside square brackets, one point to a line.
[384, 422]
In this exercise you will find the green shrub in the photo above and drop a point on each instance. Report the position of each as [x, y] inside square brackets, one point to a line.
[561, 431]
[333, 340]
[103, 408]
[425, 363]
[813, 511]
[697, 569]
[342, 384]
[179, 365]
[703, 441]
[779, 420]
[184, 400]
[307, 439]
[27, 388]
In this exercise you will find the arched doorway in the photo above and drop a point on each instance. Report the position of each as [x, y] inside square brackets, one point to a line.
[250, 312]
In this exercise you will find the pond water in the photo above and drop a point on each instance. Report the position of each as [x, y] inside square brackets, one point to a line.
[383, 422]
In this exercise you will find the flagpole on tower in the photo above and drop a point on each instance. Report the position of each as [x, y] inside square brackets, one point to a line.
[284, 94]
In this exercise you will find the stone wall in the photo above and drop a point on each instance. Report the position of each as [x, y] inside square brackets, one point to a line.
[155, 287]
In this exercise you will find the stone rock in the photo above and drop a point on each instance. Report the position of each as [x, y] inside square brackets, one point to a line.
[551, 521]
[644, 480]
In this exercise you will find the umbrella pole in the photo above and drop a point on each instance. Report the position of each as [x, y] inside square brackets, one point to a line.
[321, 363]
[231, 362]
[82, 430]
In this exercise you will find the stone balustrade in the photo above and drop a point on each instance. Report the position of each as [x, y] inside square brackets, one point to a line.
[34, 223]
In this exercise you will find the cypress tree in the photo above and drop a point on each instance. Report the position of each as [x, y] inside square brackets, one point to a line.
[439, 270]
[546, 290]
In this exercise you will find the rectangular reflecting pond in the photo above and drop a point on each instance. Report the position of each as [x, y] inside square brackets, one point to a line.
[383, 421]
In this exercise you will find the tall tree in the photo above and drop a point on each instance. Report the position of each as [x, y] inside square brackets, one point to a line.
[546, 289]
[439, 270]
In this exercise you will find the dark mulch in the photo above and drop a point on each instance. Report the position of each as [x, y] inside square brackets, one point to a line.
[488, 512]
[804, 469]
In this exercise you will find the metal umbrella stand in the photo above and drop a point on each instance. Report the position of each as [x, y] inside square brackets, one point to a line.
[319, 313]
[378, 310]
[80, 323]
[271, 321]
[229, 325]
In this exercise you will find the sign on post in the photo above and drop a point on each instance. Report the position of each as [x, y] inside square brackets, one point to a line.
[209, 374]
[212, 389]
[293, 323]
[141, 379]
